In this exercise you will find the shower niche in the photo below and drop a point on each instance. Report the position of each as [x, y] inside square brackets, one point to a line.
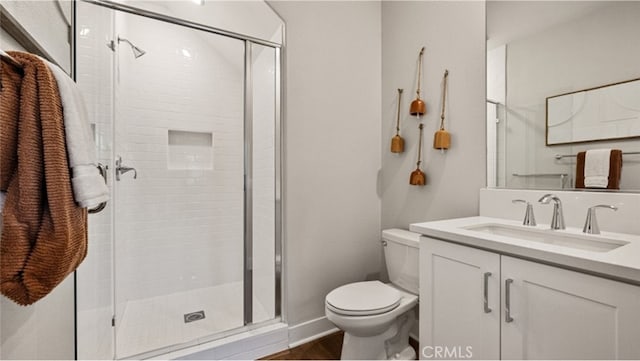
[189, 150]
[194, 107]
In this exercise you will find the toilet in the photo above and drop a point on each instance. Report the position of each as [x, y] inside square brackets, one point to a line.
[376, 317]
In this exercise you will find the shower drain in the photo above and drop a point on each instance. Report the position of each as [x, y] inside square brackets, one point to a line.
[193, 316]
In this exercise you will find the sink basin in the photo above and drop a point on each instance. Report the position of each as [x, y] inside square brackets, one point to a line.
[558, 238]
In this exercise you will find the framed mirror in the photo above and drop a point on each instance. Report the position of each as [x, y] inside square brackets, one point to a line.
[539, 50]
[607, 112]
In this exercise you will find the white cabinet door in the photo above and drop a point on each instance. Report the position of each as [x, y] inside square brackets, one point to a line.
[454, 322]
[560, 314]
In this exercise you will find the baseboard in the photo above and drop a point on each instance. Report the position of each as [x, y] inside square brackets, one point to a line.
[310, 330]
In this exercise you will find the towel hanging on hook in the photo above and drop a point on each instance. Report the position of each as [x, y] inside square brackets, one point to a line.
[10, 60]
[44, 233]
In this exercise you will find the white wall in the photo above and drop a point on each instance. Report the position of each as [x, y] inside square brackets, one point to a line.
[42, 331]
[47, 24]
[579, 54]
[8, 42]
[332, 156]
[453, 34]
[334, 192]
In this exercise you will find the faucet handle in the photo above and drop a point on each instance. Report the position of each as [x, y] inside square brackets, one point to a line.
[557, 220]
[529, 217]
[591, 223]
[545, 199]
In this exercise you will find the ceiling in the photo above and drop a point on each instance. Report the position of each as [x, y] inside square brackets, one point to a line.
[510, 20]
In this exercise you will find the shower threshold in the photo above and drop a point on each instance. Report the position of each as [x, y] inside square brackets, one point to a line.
[255, 342]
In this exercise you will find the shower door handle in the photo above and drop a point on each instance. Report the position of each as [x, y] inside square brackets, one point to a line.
[103, 172]
[122, 169]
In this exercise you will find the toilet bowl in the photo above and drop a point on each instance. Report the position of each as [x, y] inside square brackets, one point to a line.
[376, 317]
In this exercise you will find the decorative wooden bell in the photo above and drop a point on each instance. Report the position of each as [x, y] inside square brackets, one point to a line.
[442, 138]
[418, 178]
[397, 143]
[418, 107]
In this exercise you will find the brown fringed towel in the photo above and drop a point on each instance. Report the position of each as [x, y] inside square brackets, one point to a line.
[615, 169]
[44, 233]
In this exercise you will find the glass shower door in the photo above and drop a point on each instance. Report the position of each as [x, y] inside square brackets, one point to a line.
[94, 278]
[188, 249]
[179, 189]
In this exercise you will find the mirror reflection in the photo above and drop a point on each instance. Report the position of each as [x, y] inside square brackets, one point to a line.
[536, 50]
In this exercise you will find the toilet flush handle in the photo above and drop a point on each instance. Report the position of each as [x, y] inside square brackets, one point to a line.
[384, 243]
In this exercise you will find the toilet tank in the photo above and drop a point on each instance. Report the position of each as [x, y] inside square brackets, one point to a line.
[401, 249]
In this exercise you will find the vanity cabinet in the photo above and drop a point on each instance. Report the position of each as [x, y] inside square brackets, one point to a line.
[532, 311]
[455, 284]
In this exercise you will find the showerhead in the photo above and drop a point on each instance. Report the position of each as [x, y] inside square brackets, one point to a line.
[137, 52]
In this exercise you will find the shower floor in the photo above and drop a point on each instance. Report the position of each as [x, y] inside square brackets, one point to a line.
[158, 322]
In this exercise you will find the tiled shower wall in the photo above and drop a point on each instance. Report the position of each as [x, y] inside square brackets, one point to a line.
[177, 229]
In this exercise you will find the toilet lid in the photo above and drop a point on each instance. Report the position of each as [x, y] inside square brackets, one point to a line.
[363, 298]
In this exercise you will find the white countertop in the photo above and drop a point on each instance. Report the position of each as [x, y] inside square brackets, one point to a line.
[622, 263]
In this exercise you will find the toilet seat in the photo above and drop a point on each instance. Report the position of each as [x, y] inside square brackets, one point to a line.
[363, 299]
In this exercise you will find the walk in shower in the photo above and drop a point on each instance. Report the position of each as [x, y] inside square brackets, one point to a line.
[184, 98]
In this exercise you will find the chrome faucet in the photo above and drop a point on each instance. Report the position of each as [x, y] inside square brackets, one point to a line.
[591, 223]
[557, 220]
[121, 169]
[529, 218]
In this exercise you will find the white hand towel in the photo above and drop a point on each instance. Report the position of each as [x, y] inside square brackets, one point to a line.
[596, 168]
[89, 188]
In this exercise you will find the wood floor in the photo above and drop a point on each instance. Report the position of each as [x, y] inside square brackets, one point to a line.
[325, 348]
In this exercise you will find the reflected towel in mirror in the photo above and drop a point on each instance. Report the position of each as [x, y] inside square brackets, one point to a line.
[601, 174]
